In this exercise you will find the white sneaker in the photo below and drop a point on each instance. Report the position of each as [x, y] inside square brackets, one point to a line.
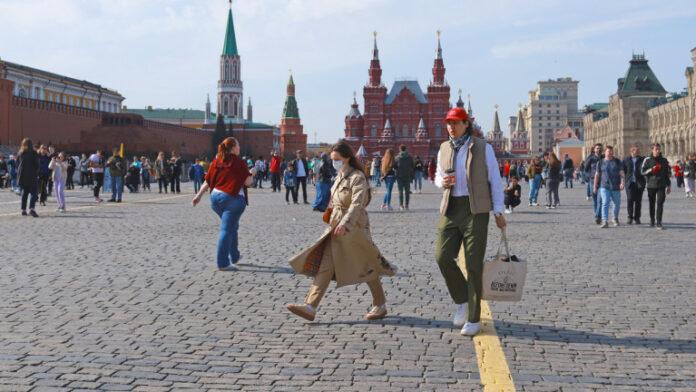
[471, 329]
[615, 222]
[508, 211]
[460, 315]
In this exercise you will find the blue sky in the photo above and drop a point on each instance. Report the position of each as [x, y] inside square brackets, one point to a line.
[165, 53]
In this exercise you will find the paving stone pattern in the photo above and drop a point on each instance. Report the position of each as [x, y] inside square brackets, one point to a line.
[127, 297]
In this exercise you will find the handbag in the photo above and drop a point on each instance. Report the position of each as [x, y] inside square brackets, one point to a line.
[504, 275]
[329, 210]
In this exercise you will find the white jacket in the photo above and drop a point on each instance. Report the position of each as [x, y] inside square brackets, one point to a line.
[60, 170]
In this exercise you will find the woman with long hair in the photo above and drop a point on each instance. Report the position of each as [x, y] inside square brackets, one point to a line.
[162, 172]
[28, 175]
[389, 178]
[227, 178]
[553, 181]
[345, 252]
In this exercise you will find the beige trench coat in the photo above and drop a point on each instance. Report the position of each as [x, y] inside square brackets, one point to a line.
[355, 257]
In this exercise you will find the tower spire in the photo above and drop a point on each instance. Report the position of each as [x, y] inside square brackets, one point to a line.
[375, 71]
[230, 47]
[375, 51]
[468, 105]
[496, 122]
[439, 48]
[460, 102]
[439, 65]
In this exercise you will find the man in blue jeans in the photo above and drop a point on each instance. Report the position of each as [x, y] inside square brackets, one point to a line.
[609, 181]
[117, 169]
[590, 167]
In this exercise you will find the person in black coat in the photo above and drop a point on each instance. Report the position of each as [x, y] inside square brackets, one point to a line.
[635, 184]
[658, 173]
[27, 175]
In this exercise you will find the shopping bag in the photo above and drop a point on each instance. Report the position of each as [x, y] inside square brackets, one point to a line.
[503, 275]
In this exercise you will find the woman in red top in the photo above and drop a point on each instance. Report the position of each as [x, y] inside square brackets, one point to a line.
[227, 177]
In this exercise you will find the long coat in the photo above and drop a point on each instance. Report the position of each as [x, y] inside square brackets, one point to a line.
[355, 257]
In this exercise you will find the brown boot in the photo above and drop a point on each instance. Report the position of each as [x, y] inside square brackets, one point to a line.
[376, 312]
[303, 310]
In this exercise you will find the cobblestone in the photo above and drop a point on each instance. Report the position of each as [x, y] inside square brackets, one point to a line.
[127, 297]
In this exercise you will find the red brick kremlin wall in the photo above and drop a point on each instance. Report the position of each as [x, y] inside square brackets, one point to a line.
[83, 130]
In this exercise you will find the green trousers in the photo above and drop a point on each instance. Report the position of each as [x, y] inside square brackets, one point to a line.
[460, 227]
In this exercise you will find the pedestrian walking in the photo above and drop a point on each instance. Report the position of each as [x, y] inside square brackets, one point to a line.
[590, 166]
[679, 173]
[432, 167]
[145, 170]
[657, 174]
[175, 168]
[59, 167]
[553, 181]
[84, 172]
[609, 181]
[12, 172]
[290, 182]
[196, 175]
[117, 170]
[376, 170]
[513, 193]
[260, 169]
[404, 167]
[534, 173]
[690, 176]
[27, 175]
[568, 169]
[418, 174]
[44, 174]
[97, 164]
[4, 173]
[226, 179]
[162, 172]
[635, 184]
[467, 171]
[275, 171]
[389, 177]
[301, 170]
[324, 175]
[345, 251]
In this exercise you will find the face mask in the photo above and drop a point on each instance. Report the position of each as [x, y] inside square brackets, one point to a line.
[338, 165]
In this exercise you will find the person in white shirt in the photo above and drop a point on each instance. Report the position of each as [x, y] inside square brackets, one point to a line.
[97, 163]
[468, 173]
[301, 170]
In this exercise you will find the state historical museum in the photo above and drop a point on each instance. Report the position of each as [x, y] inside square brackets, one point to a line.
[404, 115]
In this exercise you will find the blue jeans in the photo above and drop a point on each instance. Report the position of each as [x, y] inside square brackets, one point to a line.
[597, 203]
[589, 189]
[321, 201]
[418, 181]
[608, 196]
[116, 188]
[229, 209]
[389, 185]
[534, 188]
[196, 184]
[376, 177]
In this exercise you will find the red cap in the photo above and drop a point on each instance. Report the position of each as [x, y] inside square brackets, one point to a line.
[456, 114]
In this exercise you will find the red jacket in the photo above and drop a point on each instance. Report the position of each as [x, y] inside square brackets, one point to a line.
[677, 171]
[228, 176]
[275, 165]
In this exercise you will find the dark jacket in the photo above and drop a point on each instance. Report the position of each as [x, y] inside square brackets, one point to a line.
[568, 164]
[590, 167]
[117, 166]
[554, 172]
[404, 166]
[28, 169]
[629, 170]
[660, 178]
[689, 170]
[302, 162]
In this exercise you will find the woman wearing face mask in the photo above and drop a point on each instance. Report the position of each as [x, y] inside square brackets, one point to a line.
[345, 252]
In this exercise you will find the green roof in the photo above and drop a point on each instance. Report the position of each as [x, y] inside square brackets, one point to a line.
[639, 79]
[290, 110]
[230, 48]
[171, 114]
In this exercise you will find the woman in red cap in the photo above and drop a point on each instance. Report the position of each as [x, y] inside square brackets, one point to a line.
[467, 171]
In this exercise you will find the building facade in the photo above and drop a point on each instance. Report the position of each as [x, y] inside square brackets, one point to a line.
[672, 120]
[40, 85]
[403, 115]
[292, 136]
[552, 106]
[623, 122]
[519, 137]
[495, 137]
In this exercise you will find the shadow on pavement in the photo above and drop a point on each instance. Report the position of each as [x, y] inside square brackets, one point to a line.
[264, 269]
[396, 320]
[553, 334]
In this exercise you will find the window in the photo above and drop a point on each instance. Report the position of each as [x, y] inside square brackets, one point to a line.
[438, 130]
[225, 106]
[373, 131]
[404, 133]
[37, 93]
[234, 108]
[22, 93]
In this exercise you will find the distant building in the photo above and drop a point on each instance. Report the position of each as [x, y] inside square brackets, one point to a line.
[46, 86]
[519, 137]
[292, 136]
[495, 137]
[552, 106]
[403, 115]
[624, 121]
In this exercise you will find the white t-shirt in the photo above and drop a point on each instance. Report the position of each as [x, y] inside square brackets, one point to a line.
[99, 161]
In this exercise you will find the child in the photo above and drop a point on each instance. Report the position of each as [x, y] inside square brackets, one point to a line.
[196, 175]
[290, 180]
[512, 195]
[60, 174]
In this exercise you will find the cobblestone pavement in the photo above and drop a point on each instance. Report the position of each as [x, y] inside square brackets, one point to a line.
[127, 297]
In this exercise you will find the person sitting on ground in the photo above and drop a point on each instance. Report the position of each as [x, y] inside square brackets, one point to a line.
[512, 195]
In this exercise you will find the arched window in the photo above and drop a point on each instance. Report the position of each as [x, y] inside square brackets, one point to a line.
[373, 131]
[235, 107]
[438, 130]
[22, 93]
[225, 105]
[404, 131]
[234, 70]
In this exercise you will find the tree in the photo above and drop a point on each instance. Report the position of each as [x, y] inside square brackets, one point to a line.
[219, 134]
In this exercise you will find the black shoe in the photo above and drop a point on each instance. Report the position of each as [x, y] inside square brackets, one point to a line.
[598, 221]
[630, 221]
[636, 221]
[24, 213]
[118, 201]
[659, 226]
[33, 213]
[652, 224]
[111, 200]
[306, 202]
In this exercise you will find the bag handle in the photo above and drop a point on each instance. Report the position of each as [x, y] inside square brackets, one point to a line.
[503, 241]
